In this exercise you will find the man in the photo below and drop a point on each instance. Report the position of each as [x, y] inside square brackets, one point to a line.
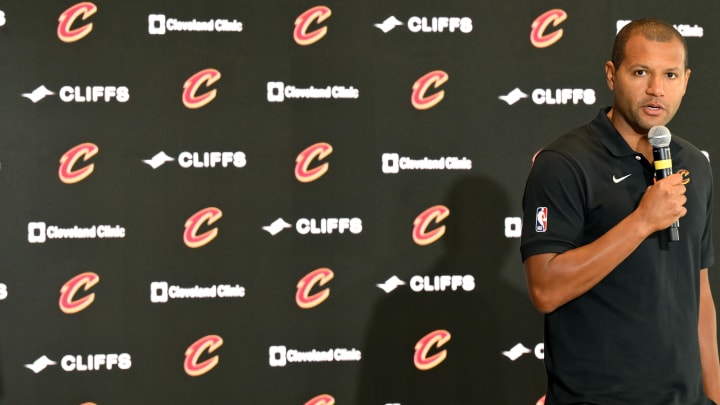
[629, 316]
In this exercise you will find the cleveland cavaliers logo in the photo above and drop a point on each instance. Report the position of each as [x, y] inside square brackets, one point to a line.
[68, 18]
[539, 35]
[302, 34]
[194, 367]
[685, 175]
[423, 358]
[420, 98]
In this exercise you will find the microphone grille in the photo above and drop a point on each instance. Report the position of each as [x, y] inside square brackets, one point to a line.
[659, 136]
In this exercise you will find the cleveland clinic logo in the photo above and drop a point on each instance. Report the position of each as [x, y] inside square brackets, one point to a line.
[281, 356]
[393, 163]
[279, 92]
[686, 30]
[162, 292]
[160, 24]
[420, 25]
[40, 232]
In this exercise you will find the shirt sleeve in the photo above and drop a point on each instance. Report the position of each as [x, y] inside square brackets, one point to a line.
[553, 206]
[707, 256]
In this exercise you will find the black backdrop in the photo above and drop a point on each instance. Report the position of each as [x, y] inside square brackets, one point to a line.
[97, 320]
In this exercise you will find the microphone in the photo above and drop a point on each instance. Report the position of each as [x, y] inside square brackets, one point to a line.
[659, 137]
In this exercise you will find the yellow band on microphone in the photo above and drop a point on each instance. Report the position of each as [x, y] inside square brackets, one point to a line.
[663, 164]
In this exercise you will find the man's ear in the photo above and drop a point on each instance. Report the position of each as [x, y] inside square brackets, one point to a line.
[610, 74]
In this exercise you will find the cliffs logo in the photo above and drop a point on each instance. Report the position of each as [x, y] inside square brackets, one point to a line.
[192, 98]
[552, 97]
[319, 277]
[421, 235]
[539, 35]
[520, 350]
[82, 94]
[317, 226]
[323, 399]
[417, 24]
[69, 301]
[434, 340]
[420, 98]
[68, 18]
[200, 160]
[318, 151]
[302, 34]
[206, 216]
[84, 363]
[68, 172]
[436, 283]
[194, 367]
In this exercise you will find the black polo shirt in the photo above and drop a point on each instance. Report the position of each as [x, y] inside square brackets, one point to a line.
[631, 339]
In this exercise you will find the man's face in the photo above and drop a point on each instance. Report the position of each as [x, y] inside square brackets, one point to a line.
[648, 85]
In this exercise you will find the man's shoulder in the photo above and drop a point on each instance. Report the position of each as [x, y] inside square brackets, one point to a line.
[686, 144]
[688, 151]
[574, 142]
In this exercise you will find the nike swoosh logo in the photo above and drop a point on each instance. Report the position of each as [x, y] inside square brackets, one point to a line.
[618, 180]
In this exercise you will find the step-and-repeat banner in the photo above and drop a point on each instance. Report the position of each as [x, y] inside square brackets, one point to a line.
[290, 202]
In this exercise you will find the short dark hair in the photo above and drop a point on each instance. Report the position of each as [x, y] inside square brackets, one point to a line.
[650, 28]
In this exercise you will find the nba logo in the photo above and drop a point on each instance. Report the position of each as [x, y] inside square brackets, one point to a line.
[541, 219]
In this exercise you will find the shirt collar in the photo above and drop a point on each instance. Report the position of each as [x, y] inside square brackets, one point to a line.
[611, 138]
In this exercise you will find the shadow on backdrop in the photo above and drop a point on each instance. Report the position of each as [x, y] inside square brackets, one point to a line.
[491, 318]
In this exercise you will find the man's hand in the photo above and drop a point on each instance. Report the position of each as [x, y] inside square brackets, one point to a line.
[663, 203]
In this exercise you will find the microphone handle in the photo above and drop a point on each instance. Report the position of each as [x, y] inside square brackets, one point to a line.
[663, 168]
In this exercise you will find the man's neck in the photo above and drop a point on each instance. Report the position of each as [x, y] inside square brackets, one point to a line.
[637, 142]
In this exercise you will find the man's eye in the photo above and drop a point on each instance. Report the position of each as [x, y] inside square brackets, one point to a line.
[640, 73]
